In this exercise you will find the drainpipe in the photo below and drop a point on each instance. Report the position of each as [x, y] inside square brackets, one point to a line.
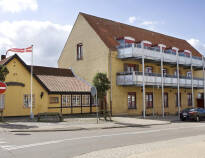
[192, 86]
[110, 72]
[162, 82]
[144, 115]
[178, 84]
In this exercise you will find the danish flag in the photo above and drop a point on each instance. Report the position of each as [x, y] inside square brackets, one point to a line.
[20, 50]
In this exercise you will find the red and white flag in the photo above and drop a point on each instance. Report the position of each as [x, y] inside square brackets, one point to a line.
[20, 50]
[26, 50]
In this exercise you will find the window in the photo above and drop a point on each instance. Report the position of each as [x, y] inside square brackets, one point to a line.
[76, 100]
[85, 100]
[148, 69]
[175, 72]
[176, 97]
[166, 100]
[27, 100]
[131, 100]
[54, 100]
[149, 100]
[2, 101]
[131, 67]
[189, 97]
[200, 96]
[189, 74]
[164, 72]
[66, 100]
[79, 51]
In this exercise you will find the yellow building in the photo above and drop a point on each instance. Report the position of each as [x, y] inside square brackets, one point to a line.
[150, 73]
[54, 90]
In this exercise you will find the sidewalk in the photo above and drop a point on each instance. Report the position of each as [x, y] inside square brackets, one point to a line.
[188, 147]
[72, 124]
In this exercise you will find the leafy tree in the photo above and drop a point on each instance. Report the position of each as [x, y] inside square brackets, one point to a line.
[3, 72]
[102, 85]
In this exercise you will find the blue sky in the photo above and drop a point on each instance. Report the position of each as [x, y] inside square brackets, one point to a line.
[47, 23]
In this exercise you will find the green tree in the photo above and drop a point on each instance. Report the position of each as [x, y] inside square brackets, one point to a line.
[102, 85]
[3, 72]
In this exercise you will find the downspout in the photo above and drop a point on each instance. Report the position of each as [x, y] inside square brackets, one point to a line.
[110, 73]
[192, 84]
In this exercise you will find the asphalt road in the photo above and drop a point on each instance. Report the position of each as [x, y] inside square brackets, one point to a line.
[73, 143]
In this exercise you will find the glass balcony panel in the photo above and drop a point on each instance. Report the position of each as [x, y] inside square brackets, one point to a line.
[152, 53]
[136, 78]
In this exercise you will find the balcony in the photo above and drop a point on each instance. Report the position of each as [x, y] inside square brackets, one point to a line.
[136, 78]
[135, 51]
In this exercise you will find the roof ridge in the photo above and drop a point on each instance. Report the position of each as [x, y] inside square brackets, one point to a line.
[130, 25]
[41, 66]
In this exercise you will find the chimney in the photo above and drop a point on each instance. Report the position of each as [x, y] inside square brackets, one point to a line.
[3, 57]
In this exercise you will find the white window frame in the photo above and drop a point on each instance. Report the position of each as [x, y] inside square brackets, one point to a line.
[75, 101]
[66, 100]
[27, 100]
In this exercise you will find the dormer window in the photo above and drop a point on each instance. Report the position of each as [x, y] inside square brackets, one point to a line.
[79, 51]
[125, 42]
[146, 44]
[187, 53]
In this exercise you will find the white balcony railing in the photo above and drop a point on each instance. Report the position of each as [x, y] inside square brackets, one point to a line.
[136, 78]
[136, 52]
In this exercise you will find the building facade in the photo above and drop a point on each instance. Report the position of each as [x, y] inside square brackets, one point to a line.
[150, 73]
[54, 90]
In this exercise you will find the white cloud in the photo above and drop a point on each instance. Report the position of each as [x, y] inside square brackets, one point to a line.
[151, 25]
[132, 19]
[15, 6]
[147, 24]
[48, 39]
[197, 44]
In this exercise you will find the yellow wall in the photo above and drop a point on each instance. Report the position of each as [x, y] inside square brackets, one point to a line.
[120, 93]
[96, 58]
[95, 53]
[14, 94]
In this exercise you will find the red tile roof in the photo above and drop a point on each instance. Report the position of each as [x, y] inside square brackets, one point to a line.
[109, 30]
[52, 71]
[64, 84]
[54, 79]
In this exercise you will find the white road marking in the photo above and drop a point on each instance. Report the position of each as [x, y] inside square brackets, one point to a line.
[16, 147]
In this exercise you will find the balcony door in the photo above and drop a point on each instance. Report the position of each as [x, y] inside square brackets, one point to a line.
[148, 69]
[189, 74]
[131, 67]
[164, 72]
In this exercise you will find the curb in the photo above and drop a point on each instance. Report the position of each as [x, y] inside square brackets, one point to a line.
[64, 129]
[80, 128]
[48, 130]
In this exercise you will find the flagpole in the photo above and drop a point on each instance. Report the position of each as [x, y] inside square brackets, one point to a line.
[31, 114]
